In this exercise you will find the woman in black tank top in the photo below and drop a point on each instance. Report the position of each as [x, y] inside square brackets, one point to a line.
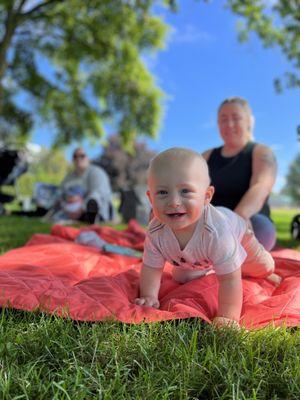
[243, 172]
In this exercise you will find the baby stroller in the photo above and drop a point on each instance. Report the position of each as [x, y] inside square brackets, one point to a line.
[13, 164]
[295, 227]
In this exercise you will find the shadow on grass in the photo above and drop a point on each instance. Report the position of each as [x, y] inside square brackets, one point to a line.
[289, 243]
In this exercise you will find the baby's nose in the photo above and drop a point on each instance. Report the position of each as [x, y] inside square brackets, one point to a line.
[174, 200]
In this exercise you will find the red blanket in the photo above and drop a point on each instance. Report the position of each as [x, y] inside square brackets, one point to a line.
[53, 274]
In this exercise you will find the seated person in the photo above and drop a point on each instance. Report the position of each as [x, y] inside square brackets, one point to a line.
[95, 192]
[196, 237]
[243, 172]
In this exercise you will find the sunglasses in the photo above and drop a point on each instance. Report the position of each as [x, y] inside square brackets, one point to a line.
[79, 156]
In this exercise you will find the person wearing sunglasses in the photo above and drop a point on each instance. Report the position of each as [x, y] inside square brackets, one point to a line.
[96, 204]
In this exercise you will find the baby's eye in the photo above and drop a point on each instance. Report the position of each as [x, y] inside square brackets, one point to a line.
[185, 190]
[161, 192]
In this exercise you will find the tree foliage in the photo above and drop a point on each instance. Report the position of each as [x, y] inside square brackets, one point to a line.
[292, 187]
[78, 65]
[49, 166]
[125, 170]
[93, 68]
[277, 23]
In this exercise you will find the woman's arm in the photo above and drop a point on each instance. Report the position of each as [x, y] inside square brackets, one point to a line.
[264, 168]
[98, 184]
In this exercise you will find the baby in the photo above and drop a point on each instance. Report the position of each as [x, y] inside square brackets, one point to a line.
[74, 199]
[71, 205]
[197, 238]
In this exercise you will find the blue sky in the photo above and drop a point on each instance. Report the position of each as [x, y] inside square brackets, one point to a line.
[202, 64]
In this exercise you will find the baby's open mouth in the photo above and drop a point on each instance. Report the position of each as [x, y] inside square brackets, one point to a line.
[176, 215]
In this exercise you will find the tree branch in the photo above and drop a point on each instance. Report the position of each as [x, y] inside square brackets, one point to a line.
[19, 8]
[38, 8]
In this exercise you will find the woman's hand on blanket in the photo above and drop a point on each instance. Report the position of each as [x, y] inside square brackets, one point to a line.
[90, 238]
[149, 301]
[221, 322]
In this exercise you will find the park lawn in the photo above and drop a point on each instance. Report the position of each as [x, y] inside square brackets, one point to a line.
[46, 357]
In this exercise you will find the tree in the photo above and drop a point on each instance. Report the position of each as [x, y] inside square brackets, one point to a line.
[125, 170]
[48, 166]
[95, 74]
[92, 53]
[277, 23]
[292, 187]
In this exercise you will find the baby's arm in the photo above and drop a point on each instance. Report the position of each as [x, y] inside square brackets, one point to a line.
[230, 299]
[149, 286]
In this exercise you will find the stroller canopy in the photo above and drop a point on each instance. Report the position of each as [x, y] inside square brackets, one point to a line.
[13, 163]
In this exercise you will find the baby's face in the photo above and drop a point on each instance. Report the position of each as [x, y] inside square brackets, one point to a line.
[74, 198]
[178, 193]
[73, 203]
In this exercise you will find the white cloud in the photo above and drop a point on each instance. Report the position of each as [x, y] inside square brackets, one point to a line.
[190, 34]
[34, 148]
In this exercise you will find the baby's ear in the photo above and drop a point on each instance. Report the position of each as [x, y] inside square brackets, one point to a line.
[149, 196]
[209, 194]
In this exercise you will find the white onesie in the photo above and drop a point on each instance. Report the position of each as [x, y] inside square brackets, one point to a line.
[216, 243]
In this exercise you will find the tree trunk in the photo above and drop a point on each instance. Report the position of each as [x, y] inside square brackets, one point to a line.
[10, 26]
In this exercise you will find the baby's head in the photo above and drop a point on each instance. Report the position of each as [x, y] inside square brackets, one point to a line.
[177, 159]
[74, 198]
[179, 186]
[74, 193]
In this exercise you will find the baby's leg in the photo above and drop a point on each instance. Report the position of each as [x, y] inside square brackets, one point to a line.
[259, 262]
[181, 275]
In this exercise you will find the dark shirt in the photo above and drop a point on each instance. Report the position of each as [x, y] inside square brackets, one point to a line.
[231, 177]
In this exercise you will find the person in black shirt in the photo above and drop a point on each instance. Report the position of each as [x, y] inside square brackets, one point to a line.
[243, 172]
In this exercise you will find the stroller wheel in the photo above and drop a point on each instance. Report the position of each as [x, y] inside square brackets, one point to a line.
[295, 227]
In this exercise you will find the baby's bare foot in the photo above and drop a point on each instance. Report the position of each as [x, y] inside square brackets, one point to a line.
[275, 279]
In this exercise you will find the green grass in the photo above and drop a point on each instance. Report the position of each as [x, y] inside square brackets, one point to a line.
[283, 219]
[15, 231]
[46, 357]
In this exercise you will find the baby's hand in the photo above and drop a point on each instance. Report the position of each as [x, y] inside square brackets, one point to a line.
[147, 301]
[221, 322]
